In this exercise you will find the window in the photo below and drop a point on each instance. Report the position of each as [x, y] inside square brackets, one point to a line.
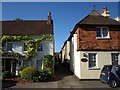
[92, 60]
[9, 46]
[102, 32]
[25, 47]
[38, 63]
[39, 47]
[114, 58]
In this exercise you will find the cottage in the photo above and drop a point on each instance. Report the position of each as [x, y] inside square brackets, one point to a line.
[94, 42]
[26, 42]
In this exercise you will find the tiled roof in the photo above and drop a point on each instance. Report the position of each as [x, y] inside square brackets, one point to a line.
[94, 18]
[26, 27]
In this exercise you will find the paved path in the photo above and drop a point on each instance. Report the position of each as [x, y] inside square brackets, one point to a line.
[63, 79]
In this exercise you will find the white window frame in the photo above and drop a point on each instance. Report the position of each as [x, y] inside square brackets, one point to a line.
[7, 46]
[115, 56]
[101, 32]
[95, 67]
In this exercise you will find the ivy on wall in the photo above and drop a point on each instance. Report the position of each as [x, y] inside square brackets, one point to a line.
[31, 44]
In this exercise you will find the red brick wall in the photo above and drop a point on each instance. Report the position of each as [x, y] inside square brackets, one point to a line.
[86, 39]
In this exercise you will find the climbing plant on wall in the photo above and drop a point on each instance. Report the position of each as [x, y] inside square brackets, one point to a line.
[31, 44]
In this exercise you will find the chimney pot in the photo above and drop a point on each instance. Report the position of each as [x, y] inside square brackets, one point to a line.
[49, 13]
[49, 18]
[105, 12]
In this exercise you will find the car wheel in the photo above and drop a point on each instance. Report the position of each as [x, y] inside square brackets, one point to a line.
[113, 83]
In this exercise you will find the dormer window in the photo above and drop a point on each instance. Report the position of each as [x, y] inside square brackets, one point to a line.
[102, 33]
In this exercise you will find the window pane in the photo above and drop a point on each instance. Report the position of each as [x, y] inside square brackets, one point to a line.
[39, 47]
[105, 32]
[98, 32]
[9, 46]
[38, 63]
[115, 58]
[92, 60]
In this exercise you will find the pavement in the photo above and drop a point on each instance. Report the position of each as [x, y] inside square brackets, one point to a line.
[64, 79]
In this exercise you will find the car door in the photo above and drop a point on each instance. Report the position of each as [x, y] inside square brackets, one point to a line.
[117, 69]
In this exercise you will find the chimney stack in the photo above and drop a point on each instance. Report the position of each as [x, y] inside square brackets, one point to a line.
[105, 12]
[49, 18]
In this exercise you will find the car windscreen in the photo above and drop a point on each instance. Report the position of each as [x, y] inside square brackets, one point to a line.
[106, 68]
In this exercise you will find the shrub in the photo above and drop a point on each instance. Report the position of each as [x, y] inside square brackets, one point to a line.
[29, 72]
[8, 74]
[12, 74]
[48, 62]
[45, 75]
[21, 68]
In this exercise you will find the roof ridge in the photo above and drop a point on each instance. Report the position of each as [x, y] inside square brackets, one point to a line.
[22, 20]
[94, 12]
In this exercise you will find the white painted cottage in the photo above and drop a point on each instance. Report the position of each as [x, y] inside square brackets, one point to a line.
[18, 34]
[94, 42]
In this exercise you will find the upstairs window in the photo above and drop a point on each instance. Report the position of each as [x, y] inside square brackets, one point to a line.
[25, 47]
[102, 32]
[9, 46]
[40, 47]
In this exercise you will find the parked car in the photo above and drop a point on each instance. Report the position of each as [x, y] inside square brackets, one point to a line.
[110, 74]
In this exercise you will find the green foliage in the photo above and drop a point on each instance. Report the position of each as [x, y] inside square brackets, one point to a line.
[36, 75]
[48, 62]
[11, 54]
[45, 74]
[22, 67]
[8, 74]
[31, 43]
[29, 72]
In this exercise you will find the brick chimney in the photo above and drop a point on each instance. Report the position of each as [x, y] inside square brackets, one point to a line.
[105, 12]
[50, 21]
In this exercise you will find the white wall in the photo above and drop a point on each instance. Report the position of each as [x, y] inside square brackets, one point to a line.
[103, 58]
[63, 54]
[81, 69]
[77, 70]
[67, 50]
[47, 49]
[74, 57]
[72, 54]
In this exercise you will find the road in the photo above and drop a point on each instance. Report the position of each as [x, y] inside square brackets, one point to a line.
[63, 79]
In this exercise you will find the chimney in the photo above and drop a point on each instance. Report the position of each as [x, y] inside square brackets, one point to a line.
[70, 33]
[49, 18]
[105, 12]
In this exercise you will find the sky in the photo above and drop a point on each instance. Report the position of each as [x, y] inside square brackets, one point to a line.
[64, 14]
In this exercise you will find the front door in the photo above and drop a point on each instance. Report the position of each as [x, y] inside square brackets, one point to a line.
[9, 64]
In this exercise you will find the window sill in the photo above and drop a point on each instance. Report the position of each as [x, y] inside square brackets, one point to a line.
[102, 38]
[94, 68]
[9, 51]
